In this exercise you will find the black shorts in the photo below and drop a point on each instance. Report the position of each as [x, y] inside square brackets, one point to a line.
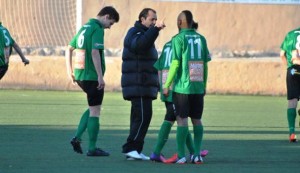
[293, 82]
[94, 95]
[3, 70]
[170, 111]
[188, 105]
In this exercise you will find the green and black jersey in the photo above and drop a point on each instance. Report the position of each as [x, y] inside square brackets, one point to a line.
[163, 65]
[2, 50]
[188, 70]
[90, 36]
[291, 42]
[9, 41]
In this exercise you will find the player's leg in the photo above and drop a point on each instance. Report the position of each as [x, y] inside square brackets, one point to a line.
[80, 130]
[95, 98]
[291, 114]
[299, 116]
[182, 109]
[190, 143]
[163, 133]
[197, 102]
[82, 124]
[76, 141]
[293, 87]
[181, 135]
[291, 117]
[93, 127]
[163, 136]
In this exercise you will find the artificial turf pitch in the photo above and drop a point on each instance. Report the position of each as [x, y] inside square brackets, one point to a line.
[242, 134]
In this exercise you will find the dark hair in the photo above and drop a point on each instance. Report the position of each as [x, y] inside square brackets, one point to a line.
[111, 11]
[144, 13]
[189, 19]
[195, 25]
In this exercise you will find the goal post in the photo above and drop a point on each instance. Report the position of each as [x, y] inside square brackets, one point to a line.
[41, 23]
[78, 14]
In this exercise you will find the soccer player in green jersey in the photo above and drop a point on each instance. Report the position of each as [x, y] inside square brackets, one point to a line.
[9, 44]
[292, 43]
[163, 65]
[3, 64]
[89, 69]
[188, 72]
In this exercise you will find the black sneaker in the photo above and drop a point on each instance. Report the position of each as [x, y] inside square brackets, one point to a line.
[75, 142]
[97, 152]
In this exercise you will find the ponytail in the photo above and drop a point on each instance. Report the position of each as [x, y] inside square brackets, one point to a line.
[195, 25]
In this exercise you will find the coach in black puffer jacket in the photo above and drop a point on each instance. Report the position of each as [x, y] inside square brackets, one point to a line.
[139, 79]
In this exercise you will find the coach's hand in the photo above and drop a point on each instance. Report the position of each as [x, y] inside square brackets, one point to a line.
[160, 24]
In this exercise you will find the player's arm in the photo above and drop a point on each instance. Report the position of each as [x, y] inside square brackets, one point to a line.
[205, 75]
[158, 68]
[159, 76]
[19, 51]
[177, 52]
[6, 54]
[97, 54]
[207, 59]
[97, 63]
[171, 75]
[68, 56]
[283, 57]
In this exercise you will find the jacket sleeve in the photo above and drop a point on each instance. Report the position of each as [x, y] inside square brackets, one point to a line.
[142, 41]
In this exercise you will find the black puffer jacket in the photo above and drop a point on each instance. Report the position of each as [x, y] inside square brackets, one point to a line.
[139, 77]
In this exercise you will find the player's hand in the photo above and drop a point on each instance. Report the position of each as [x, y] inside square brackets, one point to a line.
[25, 61]
[72, 77]
[160, 24]
[296, 57]
[166, 92]
[101, 83]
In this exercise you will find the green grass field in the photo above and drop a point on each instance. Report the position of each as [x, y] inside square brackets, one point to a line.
[242, 134]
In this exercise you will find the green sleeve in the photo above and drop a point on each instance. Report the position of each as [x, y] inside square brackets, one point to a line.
[11, 41]
[2, 46]
[282, 46]
[156, 65]
[172, 73]
[98, 39]
[73, 42]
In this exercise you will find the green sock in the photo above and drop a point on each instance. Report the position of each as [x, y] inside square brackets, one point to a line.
[163, 136]
[181, 135]
[198, 135]
[82, 124]
[291, 116]
[190, 143]
[93, 130]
